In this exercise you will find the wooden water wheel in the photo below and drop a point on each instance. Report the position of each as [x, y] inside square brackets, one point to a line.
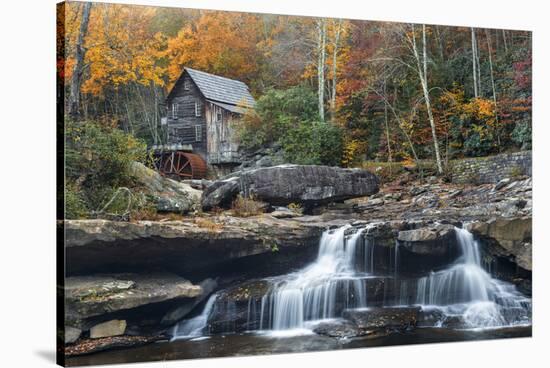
[181, 165]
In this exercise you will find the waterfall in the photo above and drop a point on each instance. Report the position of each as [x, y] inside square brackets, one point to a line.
[323, 289]
[194, 327]
[467, 290]
[338, 279]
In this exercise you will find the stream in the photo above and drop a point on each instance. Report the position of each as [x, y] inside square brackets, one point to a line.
[459, 302]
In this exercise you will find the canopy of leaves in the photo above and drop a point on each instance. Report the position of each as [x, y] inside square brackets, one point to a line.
[372, 91]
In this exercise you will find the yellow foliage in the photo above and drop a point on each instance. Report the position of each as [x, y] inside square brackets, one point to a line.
[351, 151]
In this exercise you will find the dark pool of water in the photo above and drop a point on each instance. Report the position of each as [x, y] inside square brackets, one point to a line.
[252, 344]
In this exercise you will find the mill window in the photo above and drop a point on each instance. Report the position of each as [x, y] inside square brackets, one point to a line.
[197, 108]
[174, 111]
[198, 133]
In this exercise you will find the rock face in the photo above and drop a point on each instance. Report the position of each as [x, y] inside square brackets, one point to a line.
[309, 185]
[436, 240]
[107, 329]
[509, 237]
[95, 246]
[170, 195]
[91, 296]
[237, 299]
[174, 315]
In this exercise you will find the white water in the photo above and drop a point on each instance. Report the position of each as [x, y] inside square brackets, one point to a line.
[194, 327]
[337, 280]
[321, 290]
[466, 290]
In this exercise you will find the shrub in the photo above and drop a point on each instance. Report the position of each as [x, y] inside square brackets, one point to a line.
[522, 135]
[75, 205]
[247, 206]
[97, 161]
[313, 143]
[296, 208]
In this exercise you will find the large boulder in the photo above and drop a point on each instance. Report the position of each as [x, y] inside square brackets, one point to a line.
[71, 334]
[170, 195]
[309, 185]
[114, 327]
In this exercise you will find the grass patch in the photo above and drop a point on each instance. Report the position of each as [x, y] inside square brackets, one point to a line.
[247, 206]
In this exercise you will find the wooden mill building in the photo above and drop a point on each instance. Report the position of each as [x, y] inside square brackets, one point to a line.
[202, 109]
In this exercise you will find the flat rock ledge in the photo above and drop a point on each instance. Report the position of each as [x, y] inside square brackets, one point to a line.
[89, 296]
[97, 246]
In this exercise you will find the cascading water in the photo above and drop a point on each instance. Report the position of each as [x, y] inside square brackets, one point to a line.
[194, 327]
[338, 280]
[321, 290]
[467, 291]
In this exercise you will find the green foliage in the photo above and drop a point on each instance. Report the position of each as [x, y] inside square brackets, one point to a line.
[75, 205]
[276, 112]
[522, 135]
[313, 143]
[97, 159]
[290, 118]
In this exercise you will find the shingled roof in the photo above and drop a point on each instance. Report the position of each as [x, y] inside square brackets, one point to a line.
[221, 89]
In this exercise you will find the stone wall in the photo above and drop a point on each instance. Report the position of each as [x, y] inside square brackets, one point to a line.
[491, 169]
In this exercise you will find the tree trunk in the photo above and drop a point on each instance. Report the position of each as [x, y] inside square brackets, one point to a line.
[321, 24]
[504, 40]
[387, 126]
[474, 63]
[76, 79]
[490, 51]
[423, 76]
[335, 69]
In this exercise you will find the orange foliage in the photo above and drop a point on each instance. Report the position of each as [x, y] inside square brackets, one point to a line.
[219, 43]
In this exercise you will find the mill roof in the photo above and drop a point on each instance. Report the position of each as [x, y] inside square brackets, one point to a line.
[220, 89]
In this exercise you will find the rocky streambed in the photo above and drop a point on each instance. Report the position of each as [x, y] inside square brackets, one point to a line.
[130, 283]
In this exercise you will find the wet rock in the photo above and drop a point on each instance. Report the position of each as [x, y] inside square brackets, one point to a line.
[388, 317]
[435, 240]
[430, 317]
[107, 329]
[170, 195]
[339, 329]
[208, 286]
[507, 237]
[72, 334]
[237, 309]
[309, 185]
